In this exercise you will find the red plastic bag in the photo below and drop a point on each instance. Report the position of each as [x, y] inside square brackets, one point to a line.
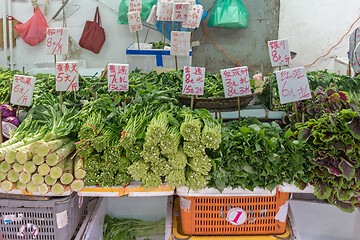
[93, 36]
[33, 31]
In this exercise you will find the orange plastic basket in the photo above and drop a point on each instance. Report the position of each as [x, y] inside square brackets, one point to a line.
[207, 215]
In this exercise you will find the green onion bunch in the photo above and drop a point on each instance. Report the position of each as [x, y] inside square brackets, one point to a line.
[157, 128]
[84, 149]
[211, 133]
[190, 129]
[132, 129]
[90, 129]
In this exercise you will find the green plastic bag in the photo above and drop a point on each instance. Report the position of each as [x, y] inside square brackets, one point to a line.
[229, 14]
[145, 11]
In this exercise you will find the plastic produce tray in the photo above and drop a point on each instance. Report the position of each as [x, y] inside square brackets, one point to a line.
[54, 219]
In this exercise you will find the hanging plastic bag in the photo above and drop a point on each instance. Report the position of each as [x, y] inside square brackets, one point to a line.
[33, 31]
[354, 51]
[229, 14]
[145, 10]
[93, 36]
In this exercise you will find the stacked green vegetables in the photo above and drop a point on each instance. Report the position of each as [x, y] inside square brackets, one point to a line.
[37, 157]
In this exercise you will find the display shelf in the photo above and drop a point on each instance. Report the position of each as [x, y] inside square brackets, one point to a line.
[291, 188]
[67, 192]
[252, 111]
[228, 192]
[133, 190]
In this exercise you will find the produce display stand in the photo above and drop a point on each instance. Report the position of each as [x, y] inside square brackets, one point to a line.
[67, 192]
[133, 190]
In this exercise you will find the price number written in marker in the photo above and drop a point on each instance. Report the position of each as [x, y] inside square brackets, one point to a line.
[134, 20]
[22, 90]
[134, 5]
[180, 43]
[152, 16]
[194, 17]
[180, 12]
[164, 10]
[56, 41]
[236, 82]
[67, 76]
[193, 81]
[293, 85]
[118, 77]
[279, 53]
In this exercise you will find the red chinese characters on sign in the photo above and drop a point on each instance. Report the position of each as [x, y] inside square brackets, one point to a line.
[152, 16]
[134, 20]
[194, 18]
[293, 85]
[279, 53]
[193, 81]
[165, 10]
[236, 82]
[22, 90]
[180, 12]
[56, 41]
[134, 5]
[180, 43]
[118, 77]
[67, 76]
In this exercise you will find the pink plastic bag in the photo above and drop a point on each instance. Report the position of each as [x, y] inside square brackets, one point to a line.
[33, 31]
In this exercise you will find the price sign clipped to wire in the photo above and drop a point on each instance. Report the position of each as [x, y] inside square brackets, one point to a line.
[236, 82]
[164, 10]
[67, 76]
[279, 53]
[57, 41]
[118, 77]
[180, 43]
[193, 81]
[180, 12]
[134, 21]
[293, 85]
[135, 5]
[22, 90]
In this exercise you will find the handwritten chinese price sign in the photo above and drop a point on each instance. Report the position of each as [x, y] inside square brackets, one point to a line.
[236, 82]
[118, 77]
[134, 5]
[67, 76]
[22, 90]
[134, 21]
[279, 53]
[193, 81]
[180, 43]
[293, 85]
[165, 10]
[56, 41]
[152, 16]
[180, 12]
[194, 18]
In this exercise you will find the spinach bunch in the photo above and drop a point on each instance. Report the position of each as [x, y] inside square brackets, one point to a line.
[254, 154]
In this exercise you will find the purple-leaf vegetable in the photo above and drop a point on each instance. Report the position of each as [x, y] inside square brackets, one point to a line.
[13, 120]
[7, 111]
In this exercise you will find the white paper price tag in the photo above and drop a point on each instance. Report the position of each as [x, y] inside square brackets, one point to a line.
[67, 76]
[152, 16]
[293, 85]
[279, 53]
[193, 81]
[118, 77]
[22, 90]
[134, 20]
[180, 12]
[180, 43]
[236, 82]
[135, 5]
[57, 41]
[194, 18]
[165, 10]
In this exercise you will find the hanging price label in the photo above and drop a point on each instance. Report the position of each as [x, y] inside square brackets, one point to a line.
[293, 85]
[152, 16]
[180, 43]
[134, 5]
[134, 20]
[279, 53]
[236, 82]
[180, 12]
[118, 77]
[57, 41]
[67, 76]
[193, 81]
[22, 90]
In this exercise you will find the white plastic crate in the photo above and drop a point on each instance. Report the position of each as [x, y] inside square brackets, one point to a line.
[148, 209]
[54, 219]
[149, 59]
[228, 192]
